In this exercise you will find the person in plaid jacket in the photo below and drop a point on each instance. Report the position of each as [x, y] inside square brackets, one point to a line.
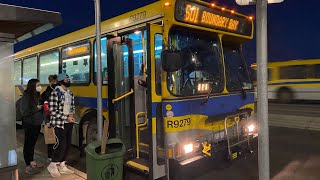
[61, 105]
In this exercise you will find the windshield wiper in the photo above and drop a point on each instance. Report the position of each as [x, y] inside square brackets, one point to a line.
[243, 92]
[207, 97]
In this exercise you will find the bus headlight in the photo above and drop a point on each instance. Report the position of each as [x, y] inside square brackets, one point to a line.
[188, 148]
[251, 128]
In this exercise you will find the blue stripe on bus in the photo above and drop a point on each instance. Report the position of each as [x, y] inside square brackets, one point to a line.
[214, 106]
[303, 82]
[90, 102]
[21, 89]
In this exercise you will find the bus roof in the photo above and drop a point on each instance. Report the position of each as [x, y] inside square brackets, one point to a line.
[130, 19]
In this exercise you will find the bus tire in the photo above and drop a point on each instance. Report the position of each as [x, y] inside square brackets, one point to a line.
[91, 132]
[285, 95]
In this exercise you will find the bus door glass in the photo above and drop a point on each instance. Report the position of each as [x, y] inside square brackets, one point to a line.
[121, 94]
[139, 62]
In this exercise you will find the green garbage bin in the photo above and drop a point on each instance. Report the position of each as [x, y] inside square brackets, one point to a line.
[108, 166]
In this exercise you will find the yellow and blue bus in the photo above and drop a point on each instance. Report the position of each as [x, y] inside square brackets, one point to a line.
[196, 99]
[293, 80]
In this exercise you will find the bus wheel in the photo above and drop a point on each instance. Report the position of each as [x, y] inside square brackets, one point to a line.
[285, 95]
[92, 130]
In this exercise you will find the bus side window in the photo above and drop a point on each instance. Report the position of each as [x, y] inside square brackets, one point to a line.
[49, 64]
[17, 72]
[29, 69]
[317, 71]
[76, 63]
[103, 61]
[269, 74]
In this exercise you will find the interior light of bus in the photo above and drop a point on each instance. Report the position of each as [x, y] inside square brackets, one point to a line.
[232, 11]
[167, 4]
[223, 9]
[212, 5]
[192, 8]
[137, 32]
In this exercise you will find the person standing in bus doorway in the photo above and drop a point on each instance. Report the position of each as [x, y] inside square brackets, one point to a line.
[32, 114]
[61, 105]
[45, 101]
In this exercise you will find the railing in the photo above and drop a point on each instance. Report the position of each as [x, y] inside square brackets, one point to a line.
[123, 96]
[236, 119]
[137, 130]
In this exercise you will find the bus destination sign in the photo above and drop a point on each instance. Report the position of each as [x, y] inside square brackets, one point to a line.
[196, 14]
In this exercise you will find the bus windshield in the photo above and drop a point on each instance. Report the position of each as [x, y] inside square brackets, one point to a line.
[202, 70]
[236, 70]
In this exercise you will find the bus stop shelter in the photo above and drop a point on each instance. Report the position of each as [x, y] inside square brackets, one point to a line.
[16, 24]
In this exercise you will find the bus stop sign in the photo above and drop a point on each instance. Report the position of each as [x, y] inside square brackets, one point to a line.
[252, 2]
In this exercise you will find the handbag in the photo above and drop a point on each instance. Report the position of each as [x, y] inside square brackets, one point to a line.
[49, 135]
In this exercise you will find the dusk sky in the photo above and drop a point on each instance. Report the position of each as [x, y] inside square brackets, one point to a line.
[293, 25]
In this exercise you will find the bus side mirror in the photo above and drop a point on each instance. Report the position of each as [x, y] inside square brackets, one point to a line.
[171, 60]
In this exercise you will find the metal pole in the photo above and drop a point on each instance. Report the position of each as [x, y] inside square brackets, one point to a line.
[262, 60]
[99, 78]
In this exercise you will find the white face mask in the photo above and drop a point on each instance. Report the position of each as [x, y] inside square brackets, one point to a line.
[38, 89]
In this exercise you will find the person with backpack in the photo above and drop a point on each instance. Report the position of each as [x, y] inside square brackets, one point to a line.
[61, 105]
[32, 117]
[45, 101]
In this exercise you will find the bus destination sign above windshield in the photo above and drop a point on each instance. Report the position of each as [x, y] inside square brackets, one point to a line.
[196, 14]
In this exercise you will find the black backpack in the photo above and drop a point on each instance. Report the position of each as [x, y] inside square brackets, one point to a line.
[19, 116]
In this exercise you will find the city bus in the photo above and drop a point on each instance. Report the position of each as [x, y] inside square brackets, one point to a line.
[293, 80]
[176, 87]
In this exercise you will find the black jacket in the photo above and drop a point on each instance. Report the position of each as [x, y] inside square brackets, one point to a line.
[46, 94]
[30, 112]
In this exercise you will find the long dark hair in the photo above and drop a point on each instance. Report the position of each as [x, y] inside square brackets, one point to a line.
[32, 92]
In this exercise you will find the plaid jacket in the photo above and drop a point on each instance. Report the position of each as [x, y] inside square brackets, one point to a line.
[57, 117]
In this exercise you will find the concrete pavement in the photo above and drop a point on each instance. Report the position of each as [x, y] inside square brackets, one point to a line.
[41, 157]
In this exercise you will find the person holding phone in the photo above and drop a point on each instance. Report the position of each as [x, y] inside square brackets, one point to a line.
[32, 113]
[61, 106]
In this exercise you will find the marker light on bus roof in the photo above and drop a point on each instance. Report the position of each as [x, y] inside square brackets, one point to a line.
[250, 17]
[167, 4]
[223, 9]
[212, 4]
[232, 11]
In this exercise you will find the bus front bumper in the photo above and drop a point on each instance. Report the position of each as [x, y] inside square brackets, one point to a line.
[219, 152]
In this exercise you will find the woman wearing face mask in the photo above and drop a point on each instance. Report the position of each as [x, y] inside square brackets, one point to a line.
[32, 113]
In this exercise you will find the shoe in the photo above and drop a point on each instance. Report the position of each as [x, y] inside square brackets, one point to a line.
[34, 164]
[31, 170]
[53, 169]
[63, 169]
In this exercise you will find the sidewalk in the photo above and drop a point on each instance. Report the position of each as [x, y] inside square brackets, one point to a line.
[44, 175]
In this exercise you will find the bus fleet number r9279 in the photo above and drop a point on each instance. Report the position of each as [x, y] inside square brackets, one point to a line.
[178, 123]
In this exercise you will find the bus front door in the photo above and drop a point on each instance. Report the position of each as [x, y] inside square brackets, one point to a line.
[121, 90]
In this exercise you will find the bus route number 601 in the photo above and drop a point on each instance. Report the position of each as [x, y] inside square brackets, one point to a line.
[178, 123]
